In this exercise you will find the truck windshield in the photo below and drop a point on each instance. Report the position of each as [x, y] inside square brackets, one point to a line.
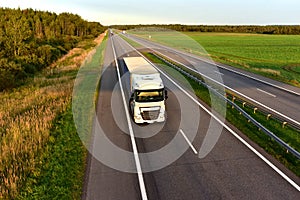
[149, 95]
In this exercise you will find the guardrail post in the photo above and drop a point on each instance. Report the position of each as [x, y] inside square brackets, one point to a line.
[254, 110]
[283, 124]
[233, 98]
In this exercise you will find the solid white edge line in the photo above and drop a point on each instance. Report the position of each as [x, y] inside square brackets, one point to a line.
[188, 141]
[133, 142]
[268, 93]
[276, 169]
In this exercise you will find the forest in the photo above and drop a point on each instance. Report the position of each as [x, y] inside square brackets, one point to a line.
[30, 40]
[271, 29]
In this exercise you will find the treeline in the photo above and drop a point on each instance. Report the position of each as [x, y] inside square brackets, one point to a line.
[272, 29]
[31, 40]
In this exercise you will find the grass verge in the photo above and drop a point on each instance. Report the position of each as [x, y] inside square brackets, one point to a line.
[62, 164]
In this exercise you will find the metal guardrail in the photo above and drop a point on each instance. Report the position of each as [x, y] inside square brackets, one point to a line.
[264, 111]
[222, 96]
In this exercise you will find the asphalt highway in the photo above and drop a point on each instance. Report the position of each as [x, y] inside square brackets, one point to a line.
[230, 171]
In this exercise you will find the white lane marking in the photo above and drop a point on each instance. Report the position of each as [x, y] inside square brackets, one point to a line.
[192, 62]
[133, 143]
[257, 79]
[219, 73]
[276, 169]
[188, 141]
[268, 93]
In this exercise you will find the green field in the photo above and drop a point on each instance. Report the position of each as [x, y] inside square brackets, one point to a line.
[273, 56]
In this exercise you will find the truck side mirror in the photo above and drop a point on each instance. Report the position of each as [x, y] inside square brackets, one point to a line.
[131, 98]
[166, 94]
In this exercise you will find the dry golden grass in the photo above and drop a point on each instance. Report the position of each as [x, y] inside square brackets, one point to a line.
[26, 118]
[269, 71]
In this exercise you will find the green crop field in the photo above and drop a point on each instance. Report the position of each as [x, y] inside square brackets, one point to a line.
[273, 56]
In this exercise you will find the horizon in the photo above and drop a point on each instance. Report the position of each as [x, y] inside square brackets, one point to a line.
[159, 24]
[210, 13]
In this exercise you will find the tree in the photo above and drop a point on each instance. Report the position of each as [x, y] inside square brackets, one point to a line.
[16, 33]
[31, 40]
[38, 28]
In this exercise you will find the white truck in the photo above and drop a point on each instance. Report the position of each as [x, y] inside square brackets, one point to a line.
[146, 91]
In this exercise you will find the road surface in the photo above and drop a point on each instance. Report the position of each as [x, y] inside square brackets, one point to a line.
[230, 171]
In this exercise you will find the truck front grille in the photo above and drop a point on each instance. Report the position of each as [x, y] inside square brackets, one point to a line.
[150, 115]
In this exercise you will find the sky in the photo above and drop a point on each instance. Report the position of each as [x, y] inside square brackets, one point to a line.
[207, 12]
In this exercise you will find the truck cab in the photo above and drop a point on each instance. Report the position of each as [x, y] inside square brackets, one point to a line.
[147, 91]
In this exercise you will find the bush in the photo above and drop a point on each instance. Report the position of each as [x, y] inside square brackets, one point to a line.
[10, 73]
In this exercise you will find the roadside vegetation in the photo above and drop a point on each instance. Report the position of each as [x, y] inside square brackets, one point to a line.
[286, 133]
[40, 54]
[41, 156]
[31, 40]
[62, 164]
